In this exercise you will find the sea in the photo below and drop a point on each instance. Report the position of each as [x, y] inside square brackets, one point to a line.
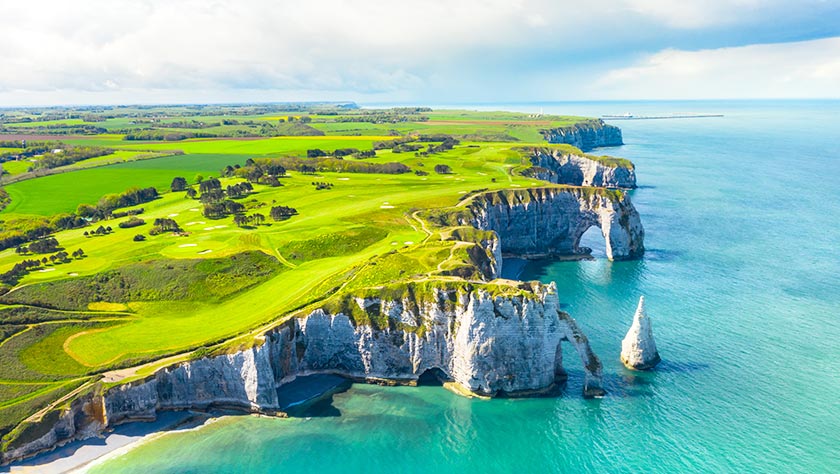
[742, 284]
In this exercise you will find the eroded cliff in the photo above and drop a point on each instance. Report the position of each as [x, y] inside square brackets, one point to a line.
[585, 135]
[567, 165]
[541, 222]
[491, 339]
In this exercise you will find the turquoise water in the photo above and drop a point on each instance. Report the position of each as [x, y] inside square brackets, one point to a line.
[742, 216]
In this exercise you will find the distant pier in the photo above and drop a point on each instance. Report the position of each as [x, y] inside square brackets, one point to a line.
[657, 117]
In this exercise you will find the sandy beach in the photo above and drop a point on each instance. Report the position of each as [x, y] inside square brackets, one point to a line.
[78, 456]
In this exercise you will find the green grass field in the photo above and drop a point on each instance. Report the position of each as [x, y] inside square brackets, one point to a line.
[129, 302]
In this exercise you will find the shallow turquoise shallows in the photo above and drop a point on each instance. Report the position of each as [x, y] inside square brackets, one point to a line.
[742, 282]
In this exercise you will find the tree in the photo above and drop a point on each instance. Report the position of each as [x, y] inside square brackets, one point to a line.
[139, 238]
[198, 179]
[280, 213]
[240, 220]
[443, 169]
[191, 193]
[258, 218]
[210, 184]
[178, 184]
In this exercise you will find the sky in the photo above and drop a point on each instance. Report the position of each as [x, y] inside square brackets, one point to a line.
[59, 52]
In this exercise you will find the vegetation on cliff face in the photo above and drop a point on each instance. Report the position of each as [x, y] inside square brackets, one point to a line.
[567, 149]
[373, 220]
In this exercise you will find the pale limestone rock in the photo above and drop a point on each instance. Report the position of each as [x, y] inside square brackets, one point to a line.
[488, 345]
[551, 221]
[586, 136]
[638, 349]
[557, 166]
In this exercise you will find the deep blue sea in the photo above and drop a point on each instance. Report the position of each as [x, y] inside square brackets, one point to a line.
[742, 282]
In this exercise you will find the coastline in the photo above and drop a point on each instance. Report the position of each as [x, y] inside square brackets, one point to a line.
[79, 456]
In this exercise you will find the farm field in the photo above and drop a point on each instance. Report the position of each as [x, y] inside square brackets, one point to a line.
[173, 272]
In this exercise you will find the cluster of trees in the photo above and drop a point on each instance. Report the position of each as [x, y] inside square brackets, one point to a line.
[13, 276]
[242, 220]
[448, 143]
[22, 230]
[101, 230]
[130, 212]
[319, 185]
[340, 153]
[151, 134]
[68, 156]
[190, 124]
[281, 213]
[392, 143]
[5, 199]
[109, 202]
[330, 164]
[219, 209]
[443, 169]
[390, 116]
[262, 172]
[162, 225]
[214, 198]
[39, 246]
[132, 222]
[57, 129]
[406, 148]
[16, 232]
[47, 245]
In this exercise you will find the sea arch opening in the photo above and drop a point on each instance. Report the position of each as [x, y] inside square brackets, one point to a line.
[592, 242]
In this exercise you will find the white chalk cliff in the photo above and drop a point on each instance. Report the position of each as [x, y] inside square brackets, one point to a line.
[540, 222]
[579, 169]
[638, 349]
[585, 135]
[494, 340]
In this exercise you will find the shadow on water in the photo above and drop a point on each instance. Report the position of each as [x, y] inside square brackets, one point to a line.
[663, 255]
[322, 408]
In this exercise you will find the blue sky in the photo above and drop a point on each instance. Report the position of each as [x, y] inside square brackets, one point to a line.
[455, 51]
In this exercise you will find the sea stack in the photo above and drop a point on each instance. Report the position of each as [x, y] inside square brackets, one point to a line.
[638, 349]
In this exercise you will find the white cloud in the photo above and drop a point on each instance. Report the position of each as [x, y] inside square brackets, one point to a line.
[807, 69]
[697, 14]
[143, 50]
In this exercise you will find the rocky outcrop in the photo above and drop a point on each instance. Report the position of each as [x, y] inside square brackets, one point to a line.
[490, 339]
[551, 221]
[578, 169]
[638, 349]
[585, 135]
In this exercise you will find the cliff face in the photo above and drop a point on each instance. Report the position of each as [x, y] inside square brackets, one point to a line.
[551, 221]
[586, 136]
[507, 344]
[556, 166]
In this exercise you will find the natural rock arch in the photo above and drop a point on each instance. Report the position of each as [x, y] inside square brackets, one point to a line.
[550, 221]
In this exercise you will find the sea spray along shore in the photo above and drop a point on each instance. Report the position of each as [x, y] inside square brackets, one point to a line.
[365, 243]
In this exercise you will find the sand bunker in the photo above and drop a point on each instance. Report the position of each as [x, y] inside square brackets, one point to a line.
[188, 245]
[204, 251]
[45, 270]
